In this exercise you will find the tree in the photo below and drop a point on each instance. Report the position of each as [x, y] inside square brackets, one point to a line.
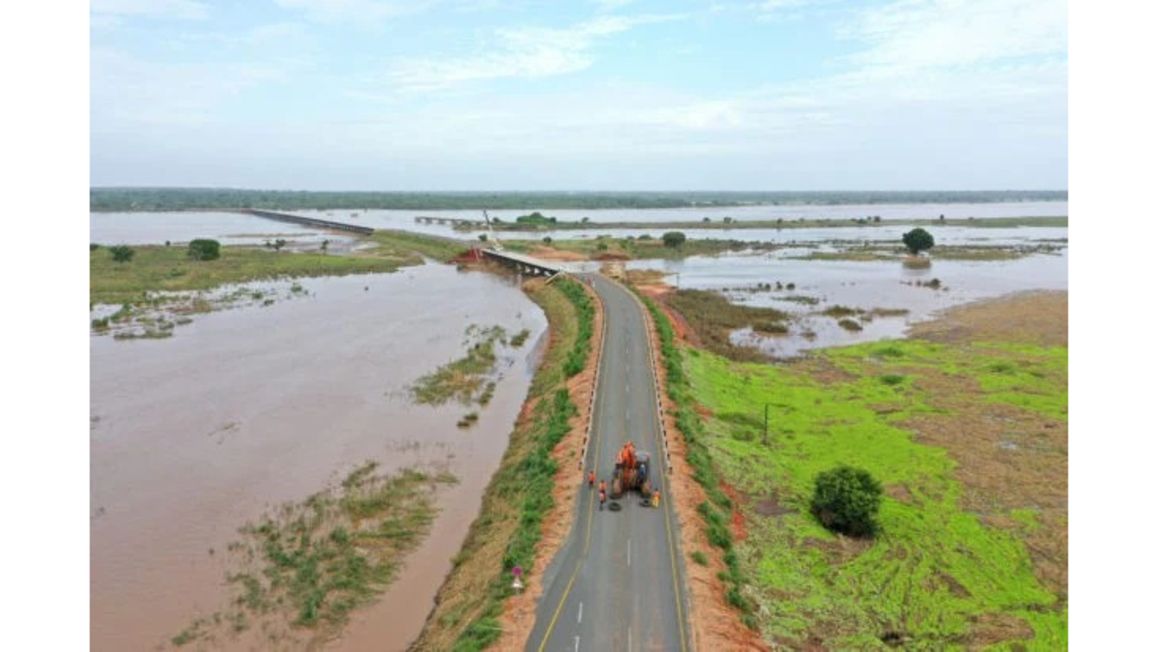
[483, 237]
[917, 240]
[673, 239]
[202, 249]
[704, 219]
[121, 253]
[547, 240]
[325, 245]
[846, 500]
[278, 244]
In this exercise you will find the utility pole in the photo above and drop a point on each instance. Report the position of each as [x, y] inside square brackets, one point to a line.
[765, 437]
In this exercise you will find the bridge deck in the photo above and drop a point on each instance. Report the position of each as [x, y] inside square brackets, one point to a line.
[520, 259]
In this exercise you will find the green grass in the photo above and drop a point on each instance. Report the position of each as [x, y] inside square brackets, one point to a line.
[398, 244]
[159, 268]
[311, 563]
[156, 268]
[935, 567]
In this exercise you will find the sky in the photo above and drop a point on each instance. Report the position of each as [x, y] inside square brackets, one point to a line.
[583, 95]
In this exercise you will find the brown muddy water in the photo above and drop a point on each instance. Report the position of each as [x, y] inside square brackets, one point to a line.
[819, 285]
[194, 436]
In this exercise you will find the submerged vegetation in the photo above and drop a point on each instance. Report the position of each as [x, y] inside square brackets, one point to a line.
[304, 568]
[463, 379]
[714, 318]
[505, 534]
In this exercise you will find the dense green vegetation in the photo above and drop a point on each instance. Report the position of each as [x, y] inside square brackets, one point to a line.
[466, 617]
[175, 199]
[202, 249]
[585, 314]
[942, 575]
[846, 499]
[312, 563]
[673, 239]
[917, 240]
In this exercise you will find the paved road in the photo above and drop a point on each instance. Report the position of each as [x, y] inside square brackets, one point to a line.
[617, 584]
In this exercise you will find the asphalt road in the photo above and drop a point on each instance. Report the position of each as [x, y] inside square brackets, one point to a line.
[618, 583]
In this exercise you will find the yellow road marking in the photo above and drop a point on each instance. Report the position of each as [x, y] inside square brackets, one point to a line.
[588, 525]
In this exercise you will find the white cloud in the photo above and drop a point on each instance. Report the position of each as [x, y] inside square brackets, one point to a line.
[528, 52]
[107, 11]
[127, 92]
[910, 34]
[355, 11]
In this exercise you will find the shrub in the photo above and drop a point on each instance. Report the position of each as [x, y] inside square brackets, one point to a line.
[849, 324]
[205, 249]
[94, 246]
[673, 239]
[122, 253]
[700, 558]
[547, 239]
[917, 240]
[846, 500]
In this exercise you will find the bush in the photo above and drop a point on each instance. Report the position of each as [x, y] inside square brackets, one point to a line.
[917, 240]
[673, 239]
[547, 240]
[205, 249]
[94, 246]
[122, 253]
[846, 500]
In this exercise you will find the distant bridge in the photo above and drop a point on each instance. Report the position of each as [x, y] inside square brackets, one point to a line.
[309, 221]
[453, 221]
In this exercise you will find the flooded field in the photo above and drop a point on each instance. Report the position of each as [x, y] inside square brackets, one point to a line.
[193, 436]
[227, 228]
[865, 286]
[400, 219]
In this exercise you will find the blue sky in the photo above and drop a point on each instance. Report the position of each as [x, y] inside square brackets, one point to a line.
[591, 95]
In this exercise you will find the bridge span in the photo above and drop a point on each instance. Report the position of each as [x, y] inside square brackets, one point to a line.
[521, 263]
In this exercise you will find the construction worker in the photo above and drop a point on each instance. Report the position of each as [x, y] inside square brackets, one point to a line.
[656, 499]
[603, 494]
[591, 478]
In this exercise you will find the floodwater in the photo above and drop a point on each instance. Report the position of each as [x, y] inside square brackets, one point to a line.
[862, 285]
[227, 228]
[196, 435]
[405, 219]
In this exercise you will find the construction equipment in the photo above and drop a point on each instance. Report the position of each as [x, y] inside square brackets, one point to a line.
[631, 472]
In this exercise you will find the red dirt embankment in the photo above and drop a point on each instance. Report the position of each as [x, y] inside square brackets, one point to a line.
[714, 624]
[519, 614]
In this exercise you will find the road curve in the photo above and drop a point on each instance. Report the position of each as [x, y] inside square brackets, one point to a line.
[618, 582]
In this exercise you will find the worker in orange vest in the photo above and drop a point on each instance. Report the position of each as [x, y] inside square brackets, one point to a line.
[591, 478]
[656, 499]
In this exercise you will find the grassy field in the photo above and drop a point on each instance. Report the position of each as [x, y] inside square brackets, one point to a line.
[470, 602]
[156, 268]
[309, 564]
[713, 318]
[969, 438]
